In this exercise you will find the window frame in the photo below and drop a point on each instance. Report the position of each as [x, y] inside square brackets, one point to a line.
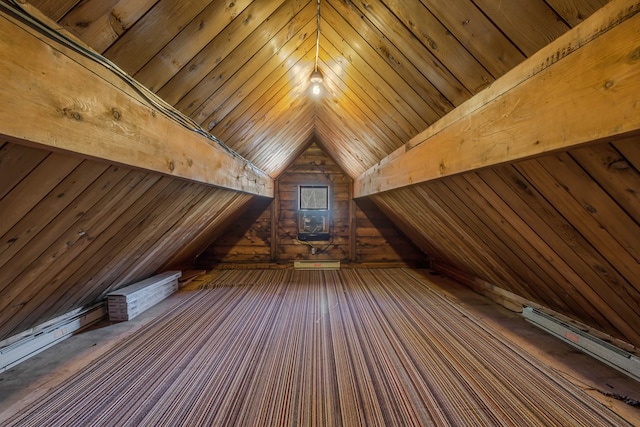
[327, 189]
[304, 213]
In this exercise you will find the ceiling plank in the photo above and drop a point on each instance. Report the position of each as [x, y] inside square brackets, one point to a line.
[186, 45]
[475, 31]
[238, 78]
[268, 119]
[425, 30]
[349, 92]
[60, 99]
[340, 98]
[561, 111]
[157, 27]
[574, 12]
[279, 93]
[361, 55]
[217, 50]
[385, 97]
[54, 10]
[518, 20]
[298, 129]
[99, 24]
[352, 155]
[440, 90]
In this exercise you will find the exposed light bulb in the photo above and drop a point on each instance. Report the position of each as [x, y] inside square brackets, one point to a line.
[316, 80]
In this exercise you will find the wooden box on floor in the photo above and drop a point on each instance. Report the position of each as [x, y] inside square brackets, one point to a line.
[126, 303]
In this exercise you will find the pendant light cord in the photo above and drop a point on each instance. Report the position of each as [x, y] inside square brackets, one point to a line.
[318, 38]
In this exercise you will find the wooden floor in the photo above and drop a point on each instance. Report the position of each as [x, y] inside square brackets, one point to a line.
[283, 347]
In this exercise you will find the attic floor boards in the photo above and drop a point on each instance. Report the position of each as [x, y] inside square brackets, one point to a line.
[356, 347]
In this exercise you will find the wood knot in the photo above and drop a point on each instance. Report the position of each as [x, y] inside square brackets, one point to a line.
[601, 269]
[620, 164]
[116, 23]
[172, 166]
[521, 184]
[115, 113]
[71, 114]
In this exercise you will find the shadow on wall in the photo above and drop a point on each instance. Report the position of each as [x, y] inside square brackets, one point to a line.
[379, 240]
[247, 239]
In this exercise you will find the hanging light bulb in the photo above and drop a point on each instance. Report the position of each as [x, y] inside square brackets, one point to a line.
[316, 81]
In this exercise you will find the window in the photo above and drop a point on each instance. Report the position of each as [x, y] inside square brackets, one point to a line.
[314, 198]
[313, 212]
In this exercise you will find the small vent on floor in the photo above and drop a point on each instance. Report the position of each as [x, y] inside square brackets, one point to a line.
[316, 265]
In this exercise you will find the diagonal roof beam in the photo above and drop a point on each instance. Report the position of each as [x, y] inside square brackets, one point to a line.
[583, 87]
[60, 98]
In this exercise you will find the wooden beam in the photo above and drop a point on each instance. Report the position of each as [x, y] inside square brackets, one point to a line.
[583, 87]
[56, 98]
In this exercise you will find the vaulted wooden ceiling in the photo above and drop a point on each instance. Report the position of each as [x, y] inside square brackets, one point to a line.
[391, 68]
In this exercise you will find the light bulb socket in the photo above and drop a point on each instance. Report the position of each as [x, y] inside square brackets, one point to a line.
[316, 77]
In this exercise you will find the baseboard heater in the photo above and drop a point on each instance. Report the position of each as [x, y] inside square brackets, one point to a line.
[316, 265]
[128, 302]
[21, 347]
[613, 356]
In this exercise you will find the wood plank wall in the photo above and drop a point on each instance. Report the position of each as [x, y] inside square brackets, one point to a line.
[379, 240]
[246, 240]
[310, 168]
[74, 229]
[361, 233]
[562, 230]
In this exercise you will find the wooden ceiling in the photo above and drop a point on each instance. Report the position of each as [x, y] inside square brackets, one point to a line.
[391, 68]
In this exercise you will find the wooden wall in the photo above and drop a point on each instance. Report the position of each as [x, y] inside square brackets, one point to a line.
[379, 240]
[74, 229]
[561, 230]
[310, 168]
[246, 240]
[266, 232]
